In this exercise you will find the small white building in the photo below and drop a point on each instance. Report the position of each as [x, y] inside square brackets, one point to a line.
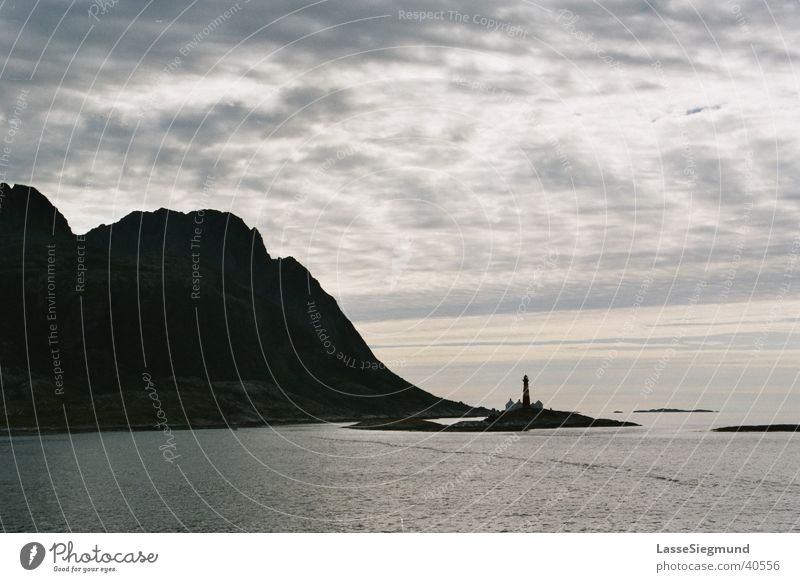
[511, 405]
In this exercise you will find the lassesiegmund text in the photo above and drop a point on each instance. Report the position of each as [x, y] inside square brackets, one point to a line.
[698, 549]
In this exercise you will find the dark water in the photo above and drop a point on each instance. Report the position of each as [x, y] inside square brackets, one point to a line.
[671, 476]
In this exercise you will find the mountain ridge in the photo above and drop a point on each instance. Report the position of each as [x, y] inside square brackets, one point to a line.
[191, 305]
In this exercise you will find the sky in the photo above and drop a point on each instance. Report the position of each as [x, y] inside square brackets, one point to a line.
[487, 188]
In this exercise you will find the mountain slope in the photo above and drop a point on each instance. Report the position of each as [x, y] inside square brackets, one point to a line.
[172, 319]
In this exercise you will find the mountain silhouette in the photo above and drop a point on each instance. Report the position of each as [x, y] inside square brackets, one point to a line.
[172, 319]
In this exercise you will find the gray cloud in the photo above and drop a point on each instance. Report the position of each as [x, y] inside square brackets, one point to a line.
[441, 158]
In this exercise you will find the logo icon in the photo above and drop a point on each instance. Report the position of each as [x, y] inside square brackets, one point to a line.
[31, 555]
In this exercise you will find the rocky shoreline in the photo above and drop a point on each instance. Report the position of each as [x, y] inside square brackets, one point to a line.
[521, 419]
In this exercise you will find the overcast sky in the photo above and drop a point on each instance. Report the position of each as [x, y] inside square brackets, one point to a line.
[461, 167]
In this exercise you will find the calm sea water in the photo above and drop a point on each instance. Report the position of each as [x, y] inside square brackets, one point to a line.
[670, 475]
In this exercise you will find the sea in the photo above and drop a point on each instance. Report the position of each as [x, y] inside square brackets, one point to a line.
[671, 474]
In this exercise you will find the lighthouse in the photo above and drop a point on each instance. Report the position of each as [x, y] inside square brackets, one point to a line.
[526, 395]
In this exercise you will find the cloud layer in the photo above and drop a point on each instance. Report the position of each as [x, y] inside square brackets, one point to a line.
[432, 159]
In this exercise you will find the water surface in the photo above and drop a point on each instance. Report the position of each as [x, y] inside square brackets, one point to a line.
[671, 475]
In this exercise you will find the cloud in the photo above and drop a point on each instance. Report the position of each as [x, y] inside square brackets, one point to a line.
[484, 137]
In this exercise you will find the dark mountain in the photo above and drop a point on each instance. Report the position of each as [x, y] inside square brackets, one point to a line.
[165, 318]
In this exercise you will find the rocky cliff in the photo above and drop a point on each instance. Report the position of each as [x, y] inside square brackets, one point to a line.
[172, 319]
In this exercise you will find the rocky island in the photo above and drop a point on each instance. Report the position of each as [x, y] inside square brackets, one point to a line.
[672, 410]
[515, 421]
[760, 428]
[519, 416]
